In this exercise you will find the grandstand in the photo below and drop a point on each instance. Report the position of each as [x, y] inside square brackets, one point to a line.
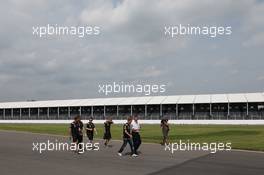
[243, 106]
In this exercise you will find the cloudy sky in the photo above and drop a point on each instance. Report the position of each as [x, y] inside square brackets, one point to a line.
[131, 47]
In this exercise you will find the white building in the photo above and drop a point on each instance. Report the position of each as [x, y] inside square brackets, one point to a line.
[246, 106]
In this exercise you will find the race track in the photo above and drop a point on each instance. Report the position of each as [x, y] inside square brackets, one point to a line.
[17, 157]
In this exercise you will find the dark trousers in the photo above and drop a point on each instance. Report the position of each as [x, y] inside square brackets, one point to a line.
[125, 141]
[136, 141]
[79, 142]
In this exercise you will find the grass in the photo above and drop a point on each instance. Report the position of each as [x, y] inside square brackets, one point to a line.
[246, 137]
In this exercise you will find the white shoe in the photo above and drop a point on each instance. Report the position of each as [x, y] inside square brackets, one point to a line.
[134, 155]
[119, 154]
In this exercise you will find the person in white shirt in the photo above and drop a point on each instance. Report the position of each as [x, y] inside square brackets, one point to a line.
[135, 133]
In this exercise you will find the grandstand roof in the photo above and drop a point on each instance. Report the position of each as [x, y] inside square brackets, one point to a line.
[148, 100]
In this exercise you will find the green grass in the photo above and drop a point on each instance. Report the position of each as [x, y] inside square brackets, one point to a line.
[241, 136]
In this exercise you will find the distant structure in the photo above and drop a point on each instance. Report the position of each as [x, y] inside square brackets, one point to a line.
[247, 106]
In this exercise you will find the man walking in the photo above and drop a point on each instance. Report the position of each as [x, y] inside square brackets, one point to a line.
[90, 130]
[76, 132]
[135, 134]
[107, 133]
[127, 138]
[165, 130]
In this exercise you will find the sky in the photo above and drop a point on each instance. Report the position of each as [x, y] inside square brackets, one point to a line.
[131, 48]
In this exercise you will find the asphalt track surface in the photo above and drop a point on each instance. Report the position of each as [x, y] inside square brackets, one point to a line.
[17, 157]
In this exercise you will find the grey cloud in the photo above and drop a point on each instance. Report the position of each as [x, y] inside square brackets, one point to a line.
[131, 47]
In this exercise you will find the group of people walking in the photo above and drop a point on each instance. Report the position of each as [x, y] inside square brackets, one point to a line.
[76, 131]
[131, 133]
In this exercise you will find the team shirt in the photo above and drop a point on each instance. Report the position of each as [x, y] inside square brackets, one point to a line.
[76, 128]
[90, 125]
[107, 126]
[127, 128]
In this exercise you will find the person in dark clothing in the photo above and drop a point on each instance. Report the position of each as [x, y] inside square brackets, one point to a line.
[165, 130]
[107, 133]
[127, 138]
[90, 130]
[76, 132]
